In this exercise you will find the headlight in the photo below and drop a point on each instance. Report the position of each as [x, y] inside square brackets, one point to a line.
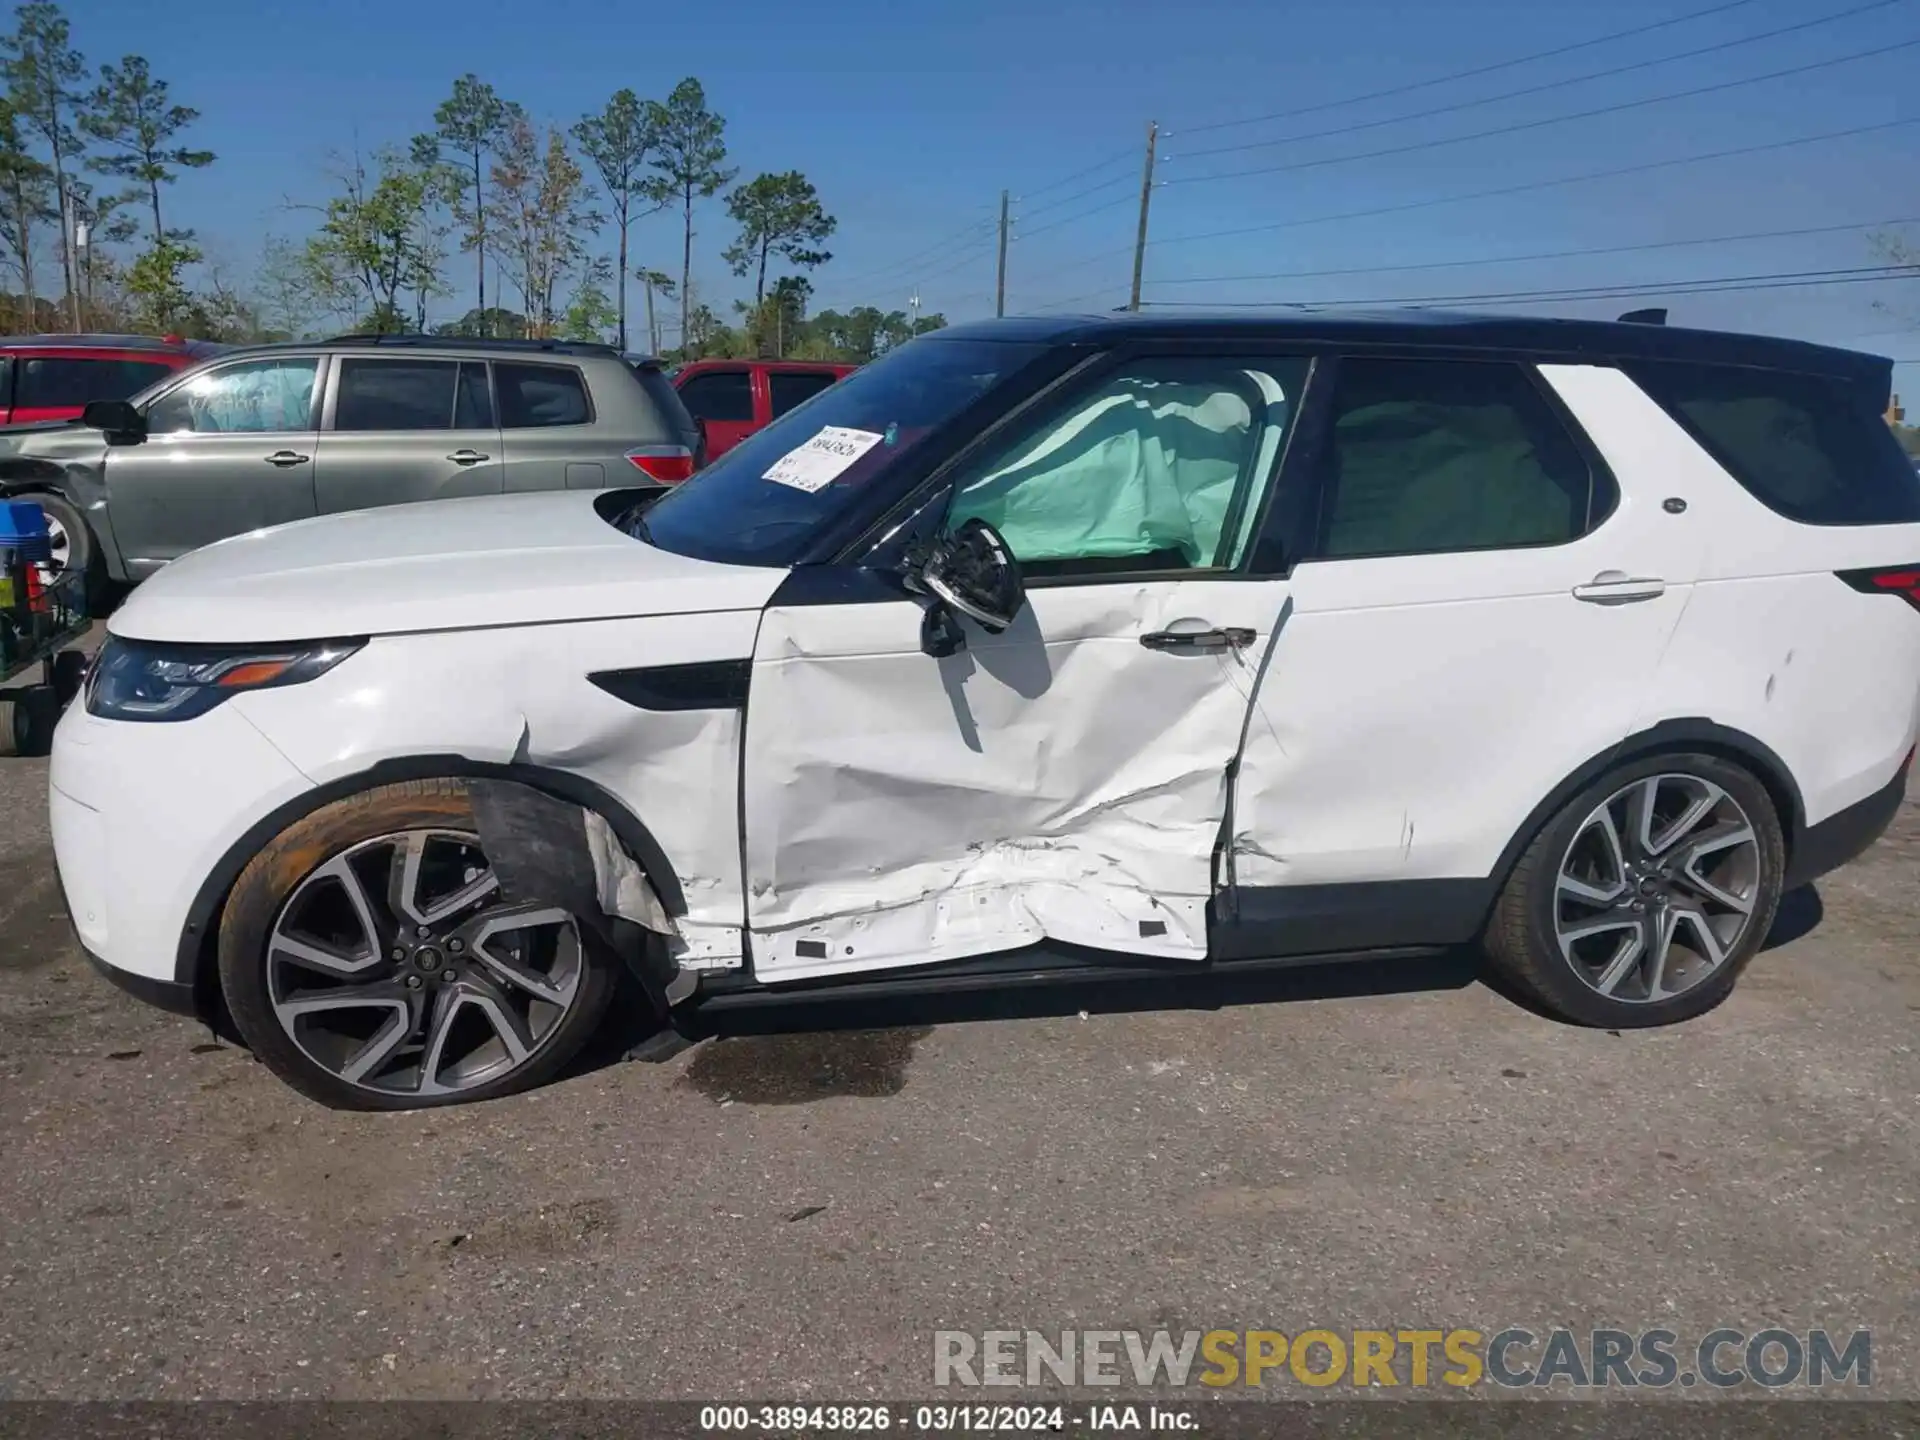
[135, 680]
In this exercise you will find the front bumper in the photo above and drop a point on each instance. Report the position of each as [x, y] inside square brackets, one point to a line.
[141, 815]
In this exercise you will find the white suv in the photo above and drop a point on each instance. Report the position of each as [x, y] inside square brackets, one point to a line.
[1104, 645]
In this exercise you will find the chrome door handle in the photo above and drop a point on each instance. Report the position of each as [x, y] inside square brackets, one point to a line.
[284, 458]
[468, 457]
[1616, 587]
[1232, 637]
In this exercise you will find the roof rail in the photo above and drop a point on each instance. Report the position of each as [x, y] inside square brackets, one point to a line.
[104, 342]
[1644, 317]
[463, 342]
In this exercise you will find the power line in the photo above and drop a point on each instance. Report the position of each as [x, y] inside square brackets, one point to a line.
[1530, 185]
[1470, 74]
[1702, 285]
[1081, 215]
[898, 269]
[1551, 85]
[1538, 255]
[1079, 174]
[1550, 120]
[1078, 195]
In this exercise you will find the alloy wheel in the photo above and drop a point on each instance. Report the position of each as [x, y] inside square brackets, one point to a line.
[398, 966]
[59, 552]
[1657, 888]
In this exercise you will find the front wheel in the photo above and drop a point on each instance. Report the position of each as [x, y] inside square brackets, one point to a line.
[1642, 900]
[370, 958]
[73, 549]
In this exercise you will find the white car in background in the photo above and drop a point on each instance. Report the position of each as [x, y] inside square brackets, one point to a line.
[1084, 645]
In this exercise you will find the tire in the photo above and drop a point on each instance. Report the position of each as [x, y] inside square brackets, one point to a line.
[299, 876]
[28, 717]
[1564, 884]
[83, 549]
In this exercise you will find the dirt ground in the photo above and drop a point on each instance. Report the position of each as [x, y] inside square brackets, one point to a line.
[791, 1215]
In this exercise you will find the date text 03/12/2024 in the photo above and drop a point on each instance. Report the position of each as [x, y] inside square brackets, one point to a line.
[947, 1419]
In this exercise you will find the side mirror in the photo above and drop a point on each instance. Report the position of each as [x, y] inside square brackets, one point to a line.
[972, 573]
[118, 418]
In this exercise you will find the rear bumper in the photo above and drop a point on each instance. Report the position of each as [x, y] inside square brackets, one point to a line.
[1844, 836]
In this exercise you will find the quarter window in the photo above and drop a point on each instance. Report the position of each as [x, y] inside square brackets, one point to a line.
[1162, 468]
[254, 396]
[723, 395]
[536, 396]
[1429, 456]
[1809, 448]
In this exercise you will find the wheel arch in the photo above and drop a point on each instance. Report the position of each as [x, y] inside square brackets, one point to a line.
[23, 477]
[1693, 735]
[195, 960]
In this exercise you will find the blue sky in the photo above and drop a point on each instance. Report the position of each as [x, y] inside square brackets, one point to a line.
[911, 117]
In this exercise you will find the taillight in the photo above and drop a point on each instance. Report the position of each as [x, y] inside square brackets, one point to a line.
[1901, 580]
[669, 464]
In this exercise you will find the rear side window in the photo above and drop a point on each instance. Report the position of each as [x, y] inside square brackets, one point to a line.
[53, 383]
[396, 395]
[789, 388]
[724, 395]
[1430, 456]
[1808, 447]
[536, 396]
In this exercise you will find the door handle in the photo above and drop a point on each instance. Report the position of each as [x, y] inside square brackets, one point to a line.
[1616, 587]
[1233, 637]
[468, 457]
[284, 458]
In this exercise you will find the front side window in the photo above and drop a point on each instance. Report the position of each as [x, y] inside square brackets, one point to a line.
[1429, 456]
[1162, 467]
[537, 396]
[763, 501]
[250, 397]
[396, 394]
[64, 383]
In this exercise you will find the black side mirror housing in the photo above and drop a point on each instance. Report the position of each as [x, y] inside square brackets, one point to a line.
[972, 573]
[119, 419]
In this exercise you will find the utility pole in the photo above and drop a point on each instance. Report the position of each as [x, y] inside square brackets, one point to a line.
[1000, 285]
[1146, 200]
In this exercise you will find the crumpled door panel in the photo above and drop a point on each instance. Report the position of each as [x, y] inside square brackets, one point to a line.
[1059, 781]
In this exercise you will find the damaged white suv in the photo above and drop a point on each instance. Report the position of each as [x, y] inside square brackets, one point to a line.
[1110, 644]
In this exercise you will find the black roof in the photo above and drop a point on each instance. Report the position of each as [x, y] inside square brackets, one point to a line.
[1575, 340]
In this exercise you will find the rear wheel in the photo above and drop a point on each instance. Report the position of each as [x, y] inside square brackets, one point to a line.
[369, 957]
[1643, 899]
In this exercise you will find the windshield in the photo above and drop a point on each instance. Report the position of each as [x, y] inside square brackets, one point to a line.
[761, 502]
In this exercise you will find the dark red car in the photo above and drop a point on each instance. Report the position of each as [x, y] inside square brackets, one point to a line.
[733, 398]
[52, 377]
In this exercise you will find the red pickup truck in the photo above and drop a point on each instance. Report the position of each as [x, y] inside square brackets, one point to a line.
[733, 398]
[52, 377]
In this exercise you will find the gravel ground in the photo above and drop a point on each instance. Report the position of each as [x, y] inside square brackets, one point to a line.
[790, 1215]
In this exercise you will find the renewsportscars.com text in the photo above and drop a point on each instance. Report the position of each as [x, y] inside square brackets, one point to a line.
[1513, 1357]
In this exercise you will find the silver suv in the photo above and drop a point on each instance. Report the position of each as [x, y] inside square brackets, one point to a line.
[266, 435]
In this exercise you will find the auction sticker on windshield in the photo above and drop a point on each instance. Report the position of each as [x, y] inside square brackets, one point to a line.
[818, 463]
